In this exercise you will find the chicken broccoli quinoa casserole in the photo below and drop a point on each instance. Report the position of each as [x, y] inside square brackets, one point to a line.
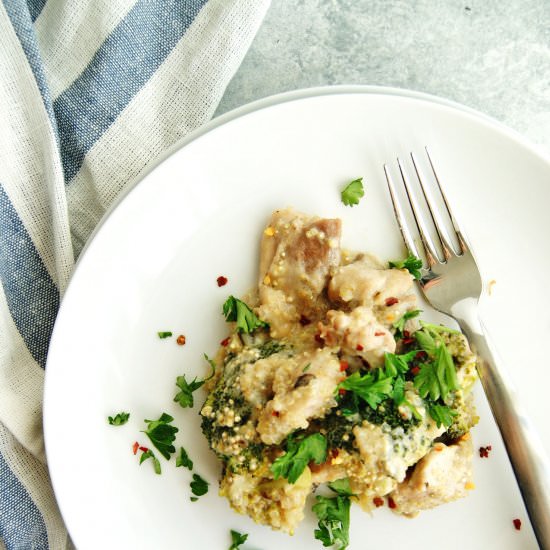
[330, 377]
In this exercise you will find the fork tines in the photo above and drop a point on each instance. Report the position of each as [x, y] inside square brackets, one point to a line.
[421, 214]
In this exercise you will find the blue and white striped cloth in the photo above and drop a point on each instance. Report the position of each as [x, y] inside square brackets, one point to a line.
[91, 92]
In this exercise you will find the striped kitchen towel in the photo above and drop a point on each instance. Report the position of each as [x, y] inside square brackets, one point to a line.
[91, 92]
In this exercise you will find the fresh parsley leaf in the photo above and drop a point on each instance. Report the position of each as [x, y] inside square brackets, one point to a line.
[441, 414]
[397, 364]
[199, 486]
[412, 264]
[149, 454]
[437, 378]
[352, 192]
[236, 310]
[426, 382]
[184, 460]
[341, 487]
[119, 420]
[165, 334]
[162, 434]
[446, 370]
[399, 325]
[312, 448]
[237, 539]
[371, 388]
[333, 516]
[426, 341]
[185, 396]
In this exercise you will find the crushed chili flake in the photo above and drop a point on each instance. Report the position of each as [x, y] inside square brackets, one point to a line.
[379, 333]
[275, 413]
[144, 449]
[319, 339]
[421, 355]
[135, 447]
[517, 523]
[484, 451]
[304, 320]
[378, 501]
[406, 334]
[359, 347]
[391, 503]
[180, 340]
[221, 280]
[407, 341]
[342, 391]
[225, 341]
[415, 371]
[391, 301]
[344, 365]
[334, 453]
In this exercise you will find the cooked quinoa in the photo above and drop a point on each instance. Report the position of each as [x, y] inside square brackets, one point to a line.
[332, 313]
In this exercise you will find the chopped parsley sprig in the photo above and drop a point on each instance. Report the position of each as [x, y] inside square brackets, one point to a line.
[371, 387]
[411, 263]
[199, 486]
[184, 460]
[162, 434]
[118, 420]
[299, 453]
[185, 396]
[399, 325]
[353, 192]
[237, 311]
[237, 539]
[333, 516]
[149, 454]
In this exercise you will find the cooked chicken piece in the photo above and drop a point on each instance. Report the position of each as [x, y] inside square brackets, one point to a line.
[297, 255]
[443, 475]
[358, 333]
[276, 503]
[393, 450]
[360, 284]
[303, 388]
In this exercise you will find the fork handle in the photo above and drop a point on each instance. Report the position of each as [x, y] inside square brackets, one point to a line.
[525, 449]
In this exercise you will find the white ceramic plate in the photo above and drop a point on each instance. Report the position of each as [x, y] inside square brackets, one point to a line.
[153, 264]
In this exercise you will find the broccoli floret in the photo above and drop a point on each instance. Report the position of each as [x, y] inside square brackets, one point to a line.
[466, 417]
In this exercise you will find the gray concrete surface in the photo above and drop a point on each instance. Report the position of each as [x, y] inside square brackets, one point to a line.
[491, 55]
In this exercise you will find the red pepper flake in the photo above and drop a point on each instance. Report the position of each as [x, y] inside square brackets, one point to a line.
[415, 371]
[391, 503]
[421, 355]
[391, 301]
[135, 447]
[406, 334]
[225, 341]
[221, 280]
[334, 453]
[180, 340]
[319, 339]
[379, 333]
[344, 365]
[275, 413]
[484, 451]
[359, 347]
[407, 341]
[342, 391]
[304, 320]
[144, 449]
[517, 524]
[378, 501]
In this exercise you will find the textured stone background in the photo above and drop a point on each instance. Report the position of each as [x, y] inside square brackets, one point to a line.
[491, 55]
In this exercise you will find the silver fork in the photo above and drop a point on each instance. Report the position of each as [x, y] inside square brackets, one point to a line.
[453, 285]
